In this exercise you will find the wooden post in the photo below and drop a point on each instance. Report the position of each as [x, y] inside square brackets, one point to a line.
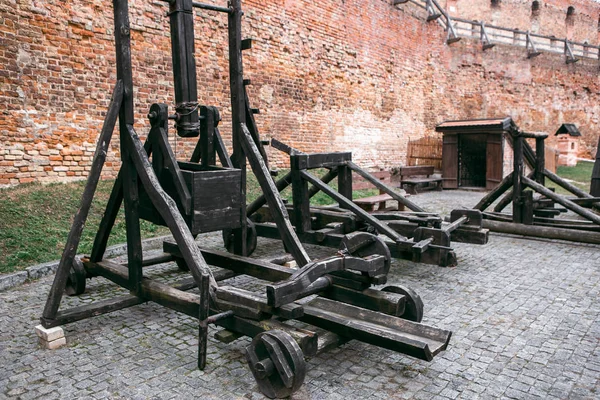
[595, 184]
[517, 177]
[238, 114]
[345, 182]
[181, 19]
[301, 200]
[540, 160]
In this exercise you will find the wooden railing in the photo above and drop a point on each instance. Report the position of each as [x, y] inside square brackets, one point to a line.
[490, 35]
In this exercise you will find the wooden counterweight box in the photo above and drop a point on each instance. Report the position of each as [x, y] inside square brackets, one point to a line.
[215, 193]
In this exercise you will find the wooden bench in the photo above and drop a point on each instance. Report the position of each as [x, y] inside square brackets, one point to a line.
[368, 203]
[417, 178]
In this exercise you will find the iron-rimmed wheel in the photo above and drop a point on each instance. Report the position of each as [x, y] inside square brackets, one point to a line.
[413, 310]
[362, 244]
[76, 279]
[277, 363]
[251, 238]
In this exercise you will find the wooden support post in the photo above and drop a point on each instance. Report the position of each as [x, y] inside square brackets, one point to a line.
[203, 313]
[238, 114]
[540, 160]
[345, 182]
[68, 255]
[301, 200]
[527, 207]
[595, 184]
[222, 150]
[181, 19]
[276, 206]
[517, 176]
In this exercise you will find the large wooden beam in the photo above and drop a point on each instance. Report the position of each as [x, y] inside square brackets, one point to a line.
[542, 231]
[70, 250]
[273, 198]
[566, 185]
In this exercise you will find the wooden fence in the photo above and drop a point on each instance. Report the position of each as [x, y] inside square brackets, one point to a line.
[425, 151]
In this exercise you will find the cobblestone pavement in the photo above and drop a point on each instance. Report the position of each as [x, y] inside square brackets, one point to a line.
[524, 315]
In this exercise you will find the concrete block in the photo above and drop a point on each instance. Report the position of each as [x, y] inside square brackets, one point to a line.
[291, 264]
[50, 334]
[53, 345]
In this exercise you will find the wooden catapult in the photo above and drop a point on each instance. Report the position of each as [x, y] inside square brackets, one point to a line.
[418, 235]
[534, 206]
[332, 296]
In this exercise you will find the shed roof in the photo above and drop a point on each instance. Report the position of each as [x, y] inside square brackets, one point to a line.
[570, 129]
[477, 125]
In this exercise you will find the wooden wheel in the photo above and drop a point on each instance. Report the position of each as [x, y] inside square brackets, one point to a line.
[76, 280]
[413, 310]
[251, 238]
[277, 363]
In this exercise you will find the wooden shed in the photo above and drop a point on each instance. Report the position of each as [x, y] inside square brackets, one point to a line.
[473, 152]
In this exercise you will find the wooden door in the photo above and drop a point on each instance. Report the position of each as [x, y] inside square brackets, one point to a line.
[495, 160]
[450, 162]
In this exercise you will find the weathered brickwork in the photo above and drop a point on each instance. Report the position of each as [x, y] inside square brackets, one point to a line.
[355, 75]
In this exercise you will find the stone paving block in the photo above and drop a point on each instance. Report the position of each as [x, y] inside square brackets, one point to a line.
[523, 314]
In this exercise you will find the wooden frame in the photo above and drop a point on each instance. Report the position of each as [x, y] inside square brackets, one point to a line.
[154, 186]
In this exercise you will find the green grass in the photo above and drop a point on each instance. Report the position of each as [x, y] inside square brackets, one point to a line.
[35, 220]
[580, 175]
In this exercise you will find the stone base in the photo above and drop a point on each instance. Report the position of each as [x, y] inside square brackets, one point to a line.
[52, 338]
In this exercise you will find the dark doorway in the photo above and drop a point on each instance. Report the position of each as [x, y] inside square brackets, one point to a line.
[472, 160]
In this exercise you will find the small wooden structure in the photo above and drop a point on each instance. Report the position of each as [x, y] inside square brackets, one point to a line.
[474, 151]
[568, 144]
[332, 296]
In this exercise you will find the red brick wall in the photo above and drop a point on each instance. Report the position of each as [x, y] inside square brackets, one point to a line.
[357, 75]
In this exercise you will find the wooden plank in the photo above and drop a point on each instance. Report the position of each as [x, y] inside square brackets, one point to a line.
[397, 334]
[415, 170]
[384, 188]
[345, 182]
[450, 162]
[70, 250]
[518, 170]
[276, 205]
[540, 160]
[494, 160]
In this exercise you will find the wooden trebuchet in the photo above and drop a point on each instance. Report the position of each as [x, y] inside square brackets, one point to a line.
[334, 294]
